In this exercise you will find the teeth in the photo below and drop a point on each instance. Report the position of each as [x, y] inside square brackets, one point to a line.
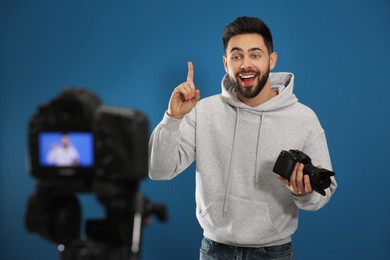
[247, 76]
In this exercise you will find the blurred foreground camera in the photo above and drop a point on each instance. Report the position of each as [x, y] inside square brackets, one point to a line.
[319, 178]
[77, 145]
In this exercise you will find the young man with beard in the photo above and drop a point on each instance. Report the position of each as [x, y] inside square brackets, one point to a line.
[245, 210]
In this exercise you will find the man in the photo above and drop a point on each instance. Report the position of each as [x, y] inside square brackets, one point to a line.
[245, 210]
[64, 154]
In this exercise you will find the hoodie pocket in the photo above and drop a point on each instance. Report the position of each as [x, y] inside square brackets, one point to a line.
[246, 222]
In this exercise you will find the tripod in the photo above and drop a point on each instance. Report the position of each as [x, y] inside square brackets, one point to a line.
[56, 215]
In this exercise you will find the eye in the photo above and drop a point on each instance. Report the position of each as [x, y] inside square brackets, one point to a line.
[256, 56]
[236, 57]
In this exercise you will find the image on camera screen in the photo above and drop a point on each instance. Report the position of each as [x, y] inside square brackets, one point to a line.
[66, 149]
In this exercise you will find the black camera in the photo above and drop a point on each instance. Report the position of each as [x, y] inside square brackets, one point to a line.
[77, 145]
[319, 178]
[77, 142]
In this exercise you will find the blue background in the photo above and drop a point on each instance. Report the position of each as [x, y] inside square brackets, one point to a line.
[133, 53]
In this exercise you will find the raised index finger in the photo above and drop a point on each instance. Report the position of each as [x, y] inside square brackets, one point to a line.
[190, 75]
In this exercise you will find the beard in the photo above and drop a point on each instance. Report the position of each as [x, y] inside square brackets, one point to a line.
[250, 91]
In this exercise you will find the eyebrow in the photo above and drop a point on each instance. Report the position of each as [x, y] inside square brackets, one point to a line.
[250, 50]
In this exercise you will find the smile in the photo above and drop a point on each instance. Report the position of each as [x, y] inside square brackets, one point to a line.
[247, 79]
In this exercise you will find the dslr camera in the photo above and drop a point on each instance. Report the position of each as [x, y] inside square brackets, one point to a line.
[77, 145]
[319, 178]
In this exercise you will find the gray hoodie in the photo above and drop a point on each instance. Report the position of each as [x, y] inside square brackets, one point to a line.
[239, 199]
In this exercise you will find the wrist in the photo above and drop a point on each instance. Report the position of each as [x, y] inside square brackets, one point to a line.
[173, 116]
[176, 117]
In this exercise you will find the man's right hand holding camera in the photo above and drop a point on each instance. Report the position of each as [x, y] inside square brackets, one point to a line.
[184, 97]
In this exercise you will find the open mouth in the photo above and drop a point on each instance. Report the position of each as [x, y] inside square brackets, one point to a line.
[247, 79]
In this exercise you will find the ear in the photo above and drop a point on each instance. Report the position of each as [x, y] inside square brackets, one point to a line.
[224, 60]
[272, 60]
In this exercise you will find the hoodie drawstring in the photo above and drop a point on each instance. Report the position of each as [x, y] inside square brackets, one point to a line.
[257, 172]
[227, 188]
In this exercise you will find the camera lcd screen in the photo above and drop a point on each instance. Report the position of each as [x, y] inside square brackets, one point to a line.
[66, 149]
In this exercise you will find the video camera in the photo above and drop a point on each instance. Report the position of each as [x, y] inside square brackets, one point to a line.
[111, 142]
[77, 145]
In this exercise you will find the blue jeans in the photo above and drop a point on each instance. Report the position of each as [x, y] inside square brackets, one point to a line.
[211, 250]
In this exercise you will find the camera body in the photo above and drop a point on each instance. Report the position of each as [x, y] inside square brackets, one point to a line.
[109, 145]
[319, 178]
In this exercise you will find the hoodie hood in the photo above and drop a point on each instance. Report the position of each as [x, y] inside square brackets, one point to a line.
[281, 82]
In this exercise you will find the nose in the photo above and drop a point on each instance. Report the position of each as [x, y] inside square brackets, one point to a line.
[245, 64]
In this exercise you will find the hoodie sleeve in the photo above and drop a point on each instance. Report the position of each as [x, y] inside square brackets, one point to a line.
[318, 152]
[171, 147]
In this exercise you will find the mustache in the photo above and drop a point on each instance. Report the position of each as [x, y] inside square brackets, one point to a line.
[257, 73]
